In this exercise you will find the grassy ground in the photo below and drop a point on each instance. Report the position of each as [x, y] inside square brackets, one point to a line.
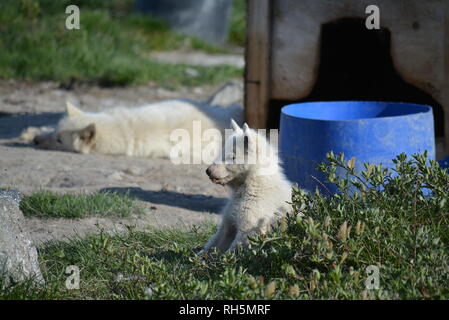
[45, 204]
[111, 48]
[336, 251]
[237, 28]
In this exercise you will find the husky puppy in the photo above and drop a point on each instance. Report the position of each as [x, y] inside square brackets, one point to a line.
[260, 190]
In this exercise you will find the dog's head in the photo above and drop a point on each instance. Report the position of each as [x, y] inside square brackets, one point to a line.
[245, 151]
[74, 133]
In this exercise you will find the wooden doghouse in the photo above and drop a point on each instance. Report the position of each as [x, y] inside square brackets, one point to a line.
[311, 50]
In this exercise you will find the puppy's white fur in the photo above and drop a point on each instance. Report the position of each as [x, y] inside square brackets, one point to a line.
[142, 132]
[260, 190]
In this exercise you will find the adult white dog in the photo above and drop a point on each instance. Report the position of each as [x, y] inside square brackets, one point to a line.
[141, 132]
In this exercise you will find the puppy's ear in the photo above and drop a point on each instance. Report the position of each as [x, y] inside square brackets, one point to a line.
[235, 126]
[88, 133]
[245, 127]
[72, 110]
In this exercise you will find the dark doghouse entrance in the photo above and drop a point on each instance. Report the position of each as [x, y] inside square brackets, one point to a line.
[356, 64]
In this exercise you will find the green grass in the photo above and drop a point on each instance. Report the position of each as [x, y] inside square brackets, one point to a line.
[46, 204]
[237, 29]
[111, 48]
[323, 255]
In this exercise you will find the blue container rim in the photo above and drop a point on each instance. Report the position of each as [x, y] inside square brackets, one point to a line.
[290, 109]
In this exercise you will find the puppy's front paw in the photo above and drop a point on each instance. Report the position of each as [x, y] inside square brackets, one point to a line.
[203, 254]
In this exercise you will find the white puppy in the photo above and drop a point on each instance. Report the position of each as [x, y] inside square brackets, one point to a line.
[260, 190]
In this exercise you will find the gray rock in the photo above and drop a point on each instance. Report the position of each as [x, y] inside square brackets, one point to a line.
[18, 255]
[12, 195]
[230, 93]
[192, 72]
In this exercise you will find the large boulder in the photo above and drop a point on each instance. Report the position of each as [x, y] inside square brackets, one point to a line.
[18, 255]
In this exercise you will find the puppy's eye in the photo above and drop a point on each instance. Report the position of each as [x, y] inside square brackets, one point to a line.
[58, 140]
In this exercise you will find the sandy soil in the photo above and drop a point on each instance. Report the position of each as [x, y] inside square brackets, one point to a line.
[172, 195]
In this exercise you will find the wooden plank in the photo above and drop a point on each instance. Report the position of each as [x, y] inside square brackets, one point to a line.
[257, 67]
[295, 39]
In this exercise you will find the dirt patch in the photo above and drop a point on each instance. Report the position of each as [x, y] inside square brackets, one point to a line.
[19, 97]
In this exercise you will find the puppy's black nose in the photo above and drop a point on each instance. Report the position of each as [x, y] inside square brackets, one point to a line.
[208, 172]
[36, 140]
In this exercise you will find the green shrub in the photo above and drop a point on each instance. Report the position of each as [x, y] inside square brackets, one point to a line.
[383, 218]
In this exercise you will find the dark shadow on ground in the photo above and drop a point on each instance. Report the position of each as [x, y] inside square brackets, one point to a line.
[12, 125]
[18, 145]
[195, 202]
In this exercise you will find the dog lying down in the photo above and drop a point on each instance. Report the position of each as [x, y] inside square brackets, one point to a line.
[142, 132]
[260, 190]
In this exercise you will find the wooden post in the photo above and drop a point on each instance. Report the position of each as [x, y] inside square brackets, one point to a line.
[445, 93]
[257, 67]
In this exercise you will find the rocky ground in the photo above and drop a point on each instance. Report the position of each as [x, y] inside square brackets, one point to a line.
[172, 195]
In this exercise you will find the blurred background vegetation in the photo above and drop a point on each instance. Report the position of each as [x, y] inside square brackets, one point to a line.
[111, 48]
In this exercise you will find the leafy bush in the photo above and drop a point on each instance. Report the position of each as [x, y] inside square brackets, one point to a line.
[383, 218]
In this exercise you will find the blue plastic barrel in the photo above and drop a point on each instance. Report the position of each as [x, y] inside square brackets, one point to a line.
[444, 163]
[373, 132]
